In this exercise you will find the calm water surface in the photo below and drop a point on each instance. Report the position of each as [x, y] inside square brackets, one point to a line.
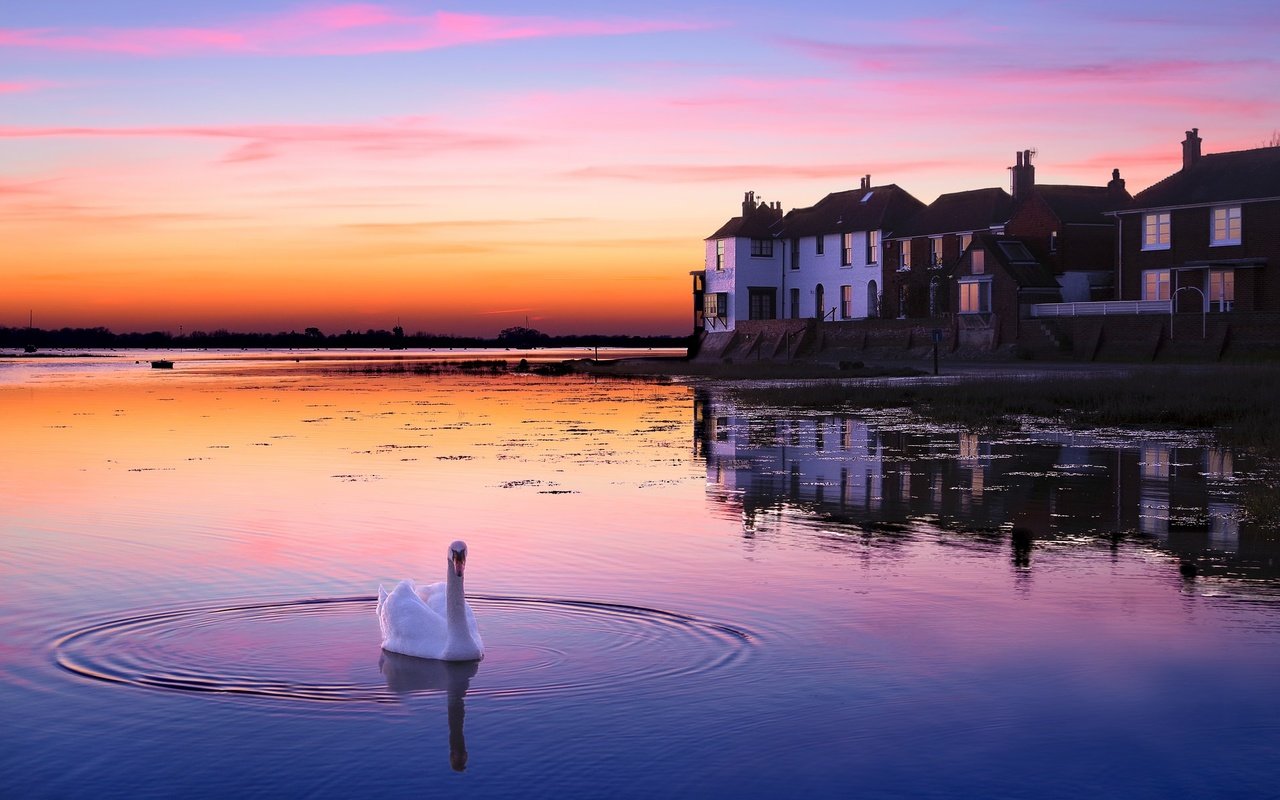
[681, 595]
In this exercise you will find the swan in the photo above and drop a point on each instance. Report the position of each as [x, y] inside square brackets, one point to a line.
[433, 621]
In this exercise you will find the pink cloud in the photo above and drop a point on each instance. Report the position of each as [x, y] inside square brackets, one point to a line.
[15, 87]
[695, 173]
[328, 30]
[258, 142]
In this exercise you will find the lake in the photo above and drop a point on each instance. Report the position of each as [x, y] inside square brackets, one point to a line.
[681, 594]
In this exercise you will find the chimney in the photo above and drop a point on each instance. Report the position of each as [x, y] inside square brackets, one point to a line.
[1191, 148]
[1116, 185]
[748, 203]
[1023, 176]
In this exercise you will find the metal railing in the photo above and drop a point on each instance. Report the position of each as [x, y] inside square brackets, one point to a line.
[1101, 308]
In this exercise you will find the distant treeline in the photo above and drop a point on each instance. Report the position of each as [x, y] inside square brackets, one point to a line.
[313, 337]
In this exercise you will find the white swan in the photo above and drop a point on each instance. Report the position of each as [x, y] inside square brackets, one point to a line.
[433, 621]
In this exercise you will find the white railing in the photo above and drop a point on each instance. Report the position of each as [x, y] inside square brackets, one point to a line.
[1102, 308]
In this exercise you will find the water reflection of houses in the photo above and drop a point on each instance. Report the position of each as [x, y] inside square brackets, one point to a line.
[860, 473]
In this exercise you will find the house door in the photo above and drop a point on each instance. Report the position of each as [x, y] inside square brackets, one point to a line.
[873, 300]
[819, 303]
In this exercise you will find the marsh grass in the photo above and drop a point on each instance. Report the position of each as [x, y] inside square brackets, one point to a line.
[1240, 403]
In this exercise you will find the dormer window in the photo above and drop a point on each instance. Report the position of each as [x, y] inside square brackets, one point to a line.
[1155, 231]
[762, 248]
[1226, 226]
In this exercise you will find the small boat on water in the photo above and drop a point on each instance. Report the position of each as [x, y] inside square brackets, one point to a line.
[31, 348]
[162, 363]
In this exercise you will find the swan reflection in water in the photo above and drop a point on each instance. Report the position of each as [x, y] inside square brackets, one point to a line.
[407, 675]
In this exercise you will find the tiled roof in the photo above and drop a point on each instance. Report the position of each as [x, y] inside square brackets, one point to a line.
[759, 224]
[1082, 204]
[1217, 178]
[876, 208]
[956, 212]
[1016, 259]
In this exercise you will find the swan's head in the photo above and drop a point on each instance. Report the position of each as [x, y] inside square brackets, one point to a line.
[458, 557]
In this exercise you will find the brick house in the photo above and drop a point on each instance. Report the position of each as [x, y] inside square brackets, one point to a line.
[995, 281]
[1208, 236]
[1068, 229]
[921, 254]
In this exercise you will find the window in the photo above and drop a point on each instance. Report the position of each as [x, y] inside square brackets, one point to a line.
[762, 248]
[1155, 284]
[762, 302]
[795, 303]
[975, 297]
[1155, 231]
[819, 243]
[846, 249]
[716, 305]
[846, 302]
[978, 262]
[965, 239]
[904, 256]
[1222, 289]
[1053, 241]
[719, 254]
[795, 254]
[935, 251]
[873, 247]
[1226, 226]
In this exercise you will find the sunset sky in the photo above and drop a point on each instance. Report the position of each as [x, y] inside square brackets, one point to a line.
[459, 167]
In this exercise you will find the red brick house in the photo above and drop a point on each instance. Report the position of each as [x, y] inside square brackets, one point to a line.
[995, 281]
[922, 253]
[1068, 229]
[1207, 236]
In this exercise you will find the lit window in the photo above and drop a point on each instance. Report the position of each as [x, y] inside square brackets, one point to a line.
[719, 254]
[978, 262]
[965, 238]
[975, 297]
[846, 302]
[935, 251]
[904, 256]
[762, 248]
[873, 247]
[819, 244]
[1155, 284]
[1155, 231]
[716, 305]
[1226, 225]
[1222, 289]
[846, 250]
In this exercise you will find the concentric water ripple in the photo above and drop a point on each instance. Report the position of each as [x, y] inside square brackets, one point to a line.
[327, 650]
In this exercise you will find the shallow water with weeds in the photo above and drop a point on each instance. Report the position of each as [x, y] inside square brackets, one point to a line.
[683, 594]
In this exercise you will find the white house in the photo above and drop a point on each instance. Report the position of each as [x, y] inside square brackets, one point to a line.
[822, 262]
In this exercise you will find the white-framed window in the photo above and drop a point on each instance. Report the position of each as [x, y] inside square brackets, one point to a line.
[715, 305]
[1222, 289]
[935, 251]
[1155, 231]
[819, 244]
[1155, 284]
[762, 248]
[975, 296]
[978, 262]
[965, 239]
[904, 256]
[873, 247]
[846, 302]
[1226, 226]
[719, 254]
[846, 250]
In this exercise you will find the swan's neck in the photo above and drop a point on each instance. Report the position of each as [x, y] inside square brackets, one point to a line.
[455, 602]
